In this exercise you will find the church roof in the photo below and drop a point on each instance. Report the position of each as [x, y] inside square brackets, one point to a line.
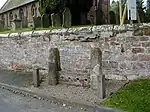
[12, 4]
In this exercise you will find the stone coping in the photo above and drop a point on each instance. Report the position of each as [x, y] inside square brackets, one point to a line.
[80, 30]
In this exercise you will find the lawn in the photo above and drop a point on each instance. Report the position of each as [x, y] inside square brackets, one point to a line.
[26, 29]
[37, 29]
[133, 97]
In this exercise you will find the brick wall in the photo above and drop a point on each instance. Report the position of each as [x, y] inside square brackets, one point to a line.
[125, 51]
[126, 57]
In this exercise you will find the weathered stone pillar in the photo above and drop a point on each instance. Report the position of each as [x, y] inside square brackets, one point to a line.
[96, 76]
[54, 66]
[36, 78]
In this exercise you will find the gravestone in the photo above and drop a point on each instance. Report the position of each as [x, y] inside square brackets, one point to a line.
[95, 16]
[83, 16]
[16, 24]
[1, 25]
[67, 18]
[99, 17]
[24, 22]
[53, 19]
[112, 17]
[45, 21]
[91, 15]
[96, 76]
[37, 22]
[56, 20]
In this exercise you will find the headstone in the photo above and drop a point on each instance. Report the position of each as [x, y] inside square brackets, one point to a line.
[99, 17]
[45, 21]
[16, 24]
[24, 22]
[83, 16]
[67, 18]
[95, 16]
[53, 19]
[56, 20]
[112, 17]
[96, 75]
[91, 15]
[1, 25]
[37, 22]
[54, 66]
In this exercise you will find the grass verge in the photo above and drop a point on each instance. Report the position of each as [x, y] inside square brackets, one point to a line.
[37, 29]
[133, 97]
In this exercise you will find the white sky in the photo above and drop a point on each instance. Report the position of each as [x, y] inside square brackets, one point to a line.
[117, 0]
[3, 1]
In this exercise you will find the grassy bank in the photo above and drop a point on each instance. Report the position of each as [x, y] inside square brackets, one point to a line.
[133, 97]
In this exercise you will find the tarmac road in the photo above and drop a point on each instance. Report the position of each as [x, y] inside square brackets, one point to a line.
[10, 102]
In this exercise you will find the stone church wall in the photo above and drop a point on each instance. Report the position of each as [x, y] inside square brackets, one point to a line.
[26, 11]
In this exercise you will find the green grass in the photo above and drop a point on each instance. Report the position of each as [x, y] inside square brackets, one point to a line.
[27, 29]
[37, 29]
[17, 31]
[133, 97]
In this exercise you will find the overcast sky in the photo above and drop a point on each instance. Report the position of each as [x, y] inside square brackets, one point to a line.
[117, 0]
[3, 1]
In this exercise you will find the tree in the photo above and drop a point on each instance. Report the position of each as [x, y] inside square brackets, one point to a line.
[49, 6]
[140, 9]
[148, 3]
[147, 15]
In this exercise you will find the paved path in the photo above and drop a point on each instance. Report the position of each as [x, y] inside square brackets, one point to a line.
[10, 102]
[19, 79]
[65, 92]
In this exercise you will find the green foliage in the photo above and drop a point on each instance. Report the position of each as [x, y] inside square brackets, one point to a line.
[140, 9]
[115, 7]
[133, 97]
[148, 3]
[147, 15]
[49, 6]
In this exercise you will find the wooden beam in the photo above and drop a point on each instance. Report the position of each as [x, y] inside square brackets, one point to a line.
[124, 14]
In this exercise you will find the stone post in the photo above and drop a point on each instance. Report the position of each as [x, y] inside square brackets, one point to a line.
[54, 66]
[36, 77]
[96, 76]
[101, 93]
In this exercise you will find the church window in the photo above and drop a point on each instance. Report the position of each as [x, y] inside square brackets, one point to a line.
[34, 10]
[10, 16]
[21, 14]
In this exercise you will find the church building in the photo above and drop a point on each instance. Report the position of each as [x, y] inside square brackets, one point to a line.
[82, 11]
